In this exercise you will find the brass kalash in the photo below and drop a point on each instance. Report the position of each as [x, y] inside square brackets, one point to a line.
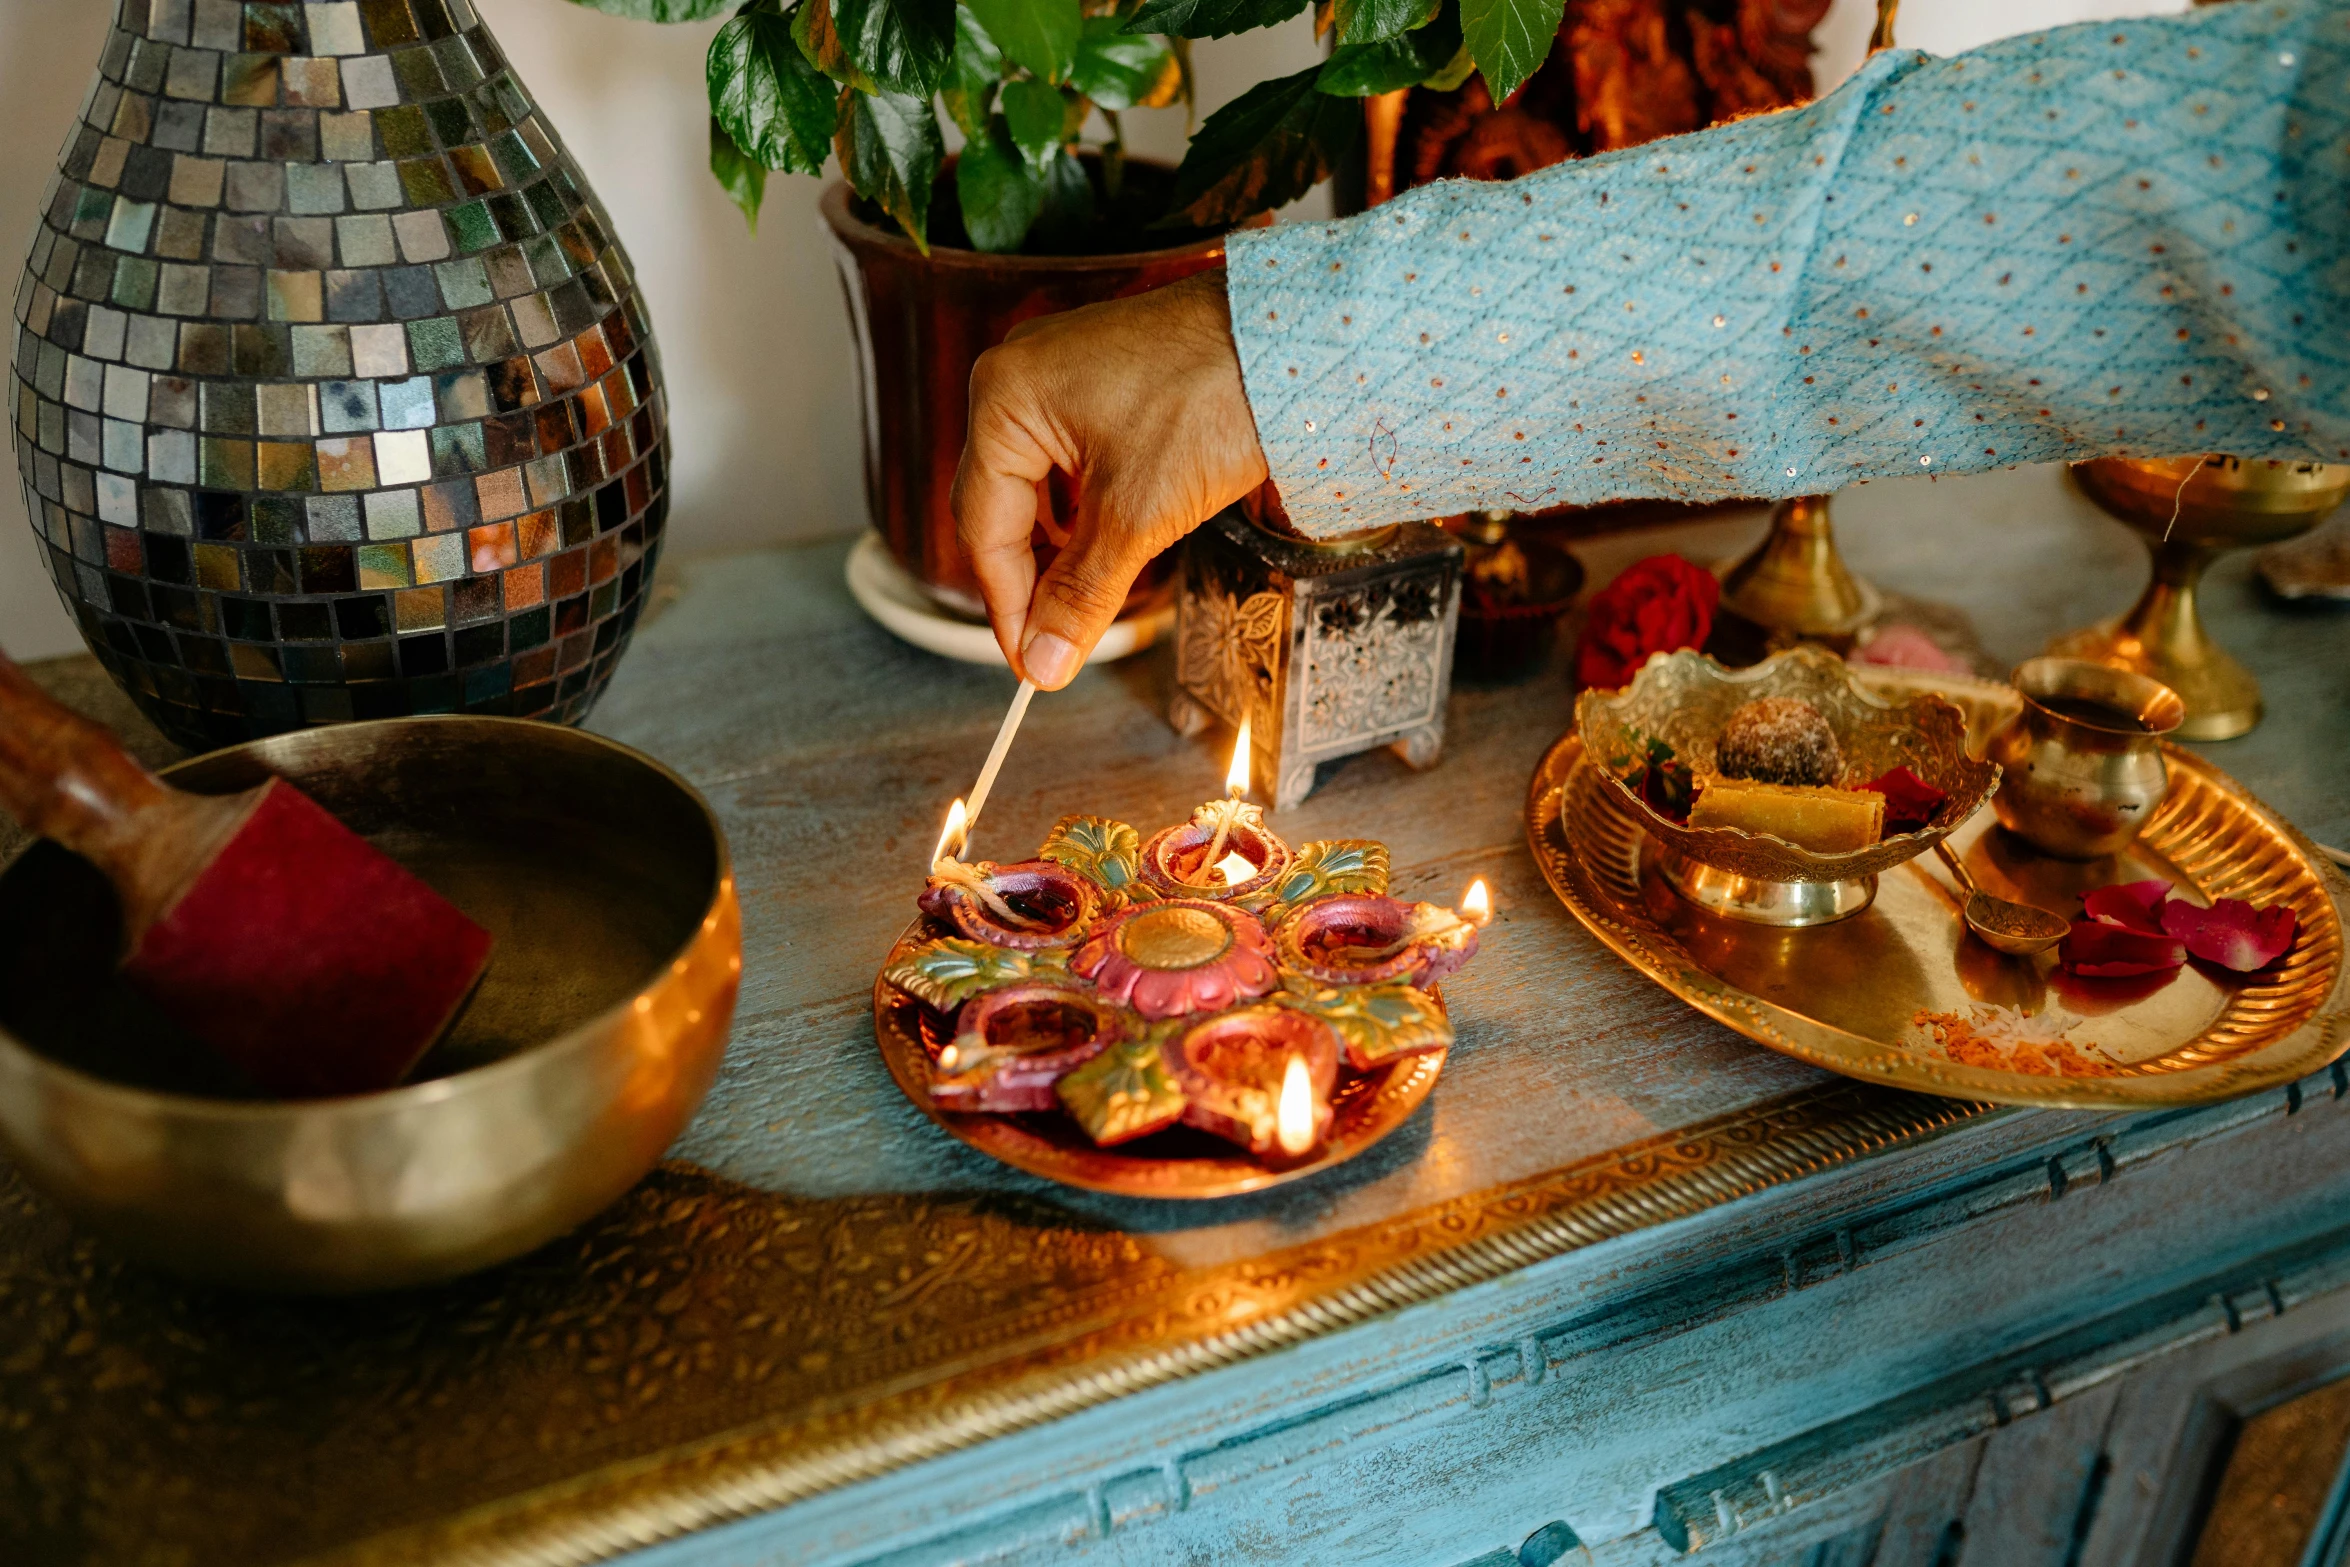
[1795, 581]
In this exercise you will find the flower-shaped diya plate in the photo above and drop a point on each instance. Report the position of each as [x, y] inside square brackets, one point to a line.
[1130, 1016]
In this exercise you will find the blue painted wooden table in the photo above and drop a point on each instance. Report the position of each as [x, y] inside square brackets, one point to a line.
[1628, 1283]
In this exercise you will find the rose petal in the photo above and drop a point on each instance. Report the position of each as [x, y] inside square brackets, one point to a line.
[1899, 646]
[2232, 933]
[1910, 801]
[2100, 951]
[1667, 793]
[2096, 996]
[2133, 905]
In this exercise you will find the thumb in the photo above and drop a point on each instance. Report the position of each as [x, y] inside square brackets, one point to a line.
[1080, 596]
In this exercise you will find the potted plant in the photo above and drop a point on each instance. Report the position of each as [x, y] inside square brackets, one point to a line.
[942, 255]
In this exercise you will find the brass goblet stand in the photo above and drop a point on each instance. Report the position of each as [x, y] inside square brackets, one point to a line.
[1795, 581]
[2192, 510]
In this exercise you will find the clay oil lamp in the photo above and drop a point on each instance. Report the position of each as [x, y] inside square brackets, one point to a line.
[1225, 853]
[1180, 956]
[1207, 976]
[1012, 1047]
[1028, 906]
[1372, 939]
[1260, 1077]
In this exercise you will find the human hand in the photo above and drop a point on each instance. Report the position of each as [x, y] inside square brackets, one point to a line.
[1139, 401]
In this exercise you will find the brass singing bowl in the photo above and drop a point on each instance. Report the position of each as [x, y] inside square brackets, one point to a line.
[594, 1035]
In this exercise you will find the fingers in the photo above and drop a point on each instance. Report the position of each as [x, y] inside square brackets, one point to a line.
[1080, 596]
[995, 501]
[1140, 403]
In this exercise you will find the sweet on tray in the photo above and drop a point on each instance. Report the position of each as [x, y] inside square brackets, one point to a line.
[1823, 820]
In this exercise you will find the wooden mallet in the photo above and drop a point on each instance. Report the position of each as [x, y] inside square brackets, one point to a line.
[269, 930]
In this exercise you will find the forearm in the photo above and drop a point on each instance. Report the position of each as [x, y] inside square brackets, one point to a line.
[2126, 237]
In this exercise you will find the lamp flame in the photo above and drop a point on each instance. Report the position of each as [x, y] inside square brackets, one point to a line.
[951, 842]
[1477, 903]
[1235, 868]
[1294, 1120]
[1236, 776]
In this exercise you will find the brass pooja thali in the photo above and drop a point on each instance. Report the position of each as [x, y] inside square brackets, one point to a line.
[1879, 995]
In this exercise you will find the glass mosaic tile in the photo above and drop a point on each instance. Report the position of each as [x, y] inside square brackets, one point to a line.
[329, 401]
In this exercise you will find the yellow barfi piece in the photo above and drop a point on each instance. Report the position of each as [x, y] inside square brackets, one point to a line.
[1825, 821]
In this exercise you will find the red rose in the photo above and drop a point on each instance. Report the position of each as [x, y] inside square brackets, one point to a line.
[1659, 605]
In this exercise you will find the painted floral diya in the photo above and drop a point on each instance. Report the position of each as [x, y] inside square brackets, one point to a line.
[1203, 1012]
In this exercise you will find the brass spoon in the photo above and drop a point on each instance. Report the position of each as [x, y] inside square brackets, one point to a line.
[2017, 929]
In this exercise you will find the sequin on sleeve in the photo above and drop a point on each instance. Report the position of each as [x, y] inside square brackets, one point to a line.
[2112, 238]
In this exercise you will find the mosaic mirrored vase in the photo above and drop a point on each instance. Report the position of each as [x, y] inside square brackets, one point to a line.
[1327, 649]
[332, 394]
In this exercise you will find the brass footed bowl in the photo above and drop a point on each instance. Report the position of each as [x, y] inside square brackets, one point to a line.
[1684, 699]
[595, 1033]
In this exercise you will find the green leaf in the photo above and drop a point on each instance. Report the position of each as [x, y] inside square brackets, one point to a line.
[1360, 70]
[1378, 1022]
[1211, 18]
[1324, 867]
[1373, 21]
[904, 45]
[950, 972]
[659, 10]
[1270, 145]
[1126, 1091]
[890, 151]
[1065, 227]
[1120, 70]
[1459, 69]
[973, 75]
[1040, 35]
[1509, 39]
[812, 29]
[1000, 196]
[1038, 119]
[1107, 853]
[775, 106]
[743, 177]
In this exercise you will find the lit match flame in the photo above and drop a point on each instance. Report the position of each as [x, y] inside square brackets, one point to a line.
[1235, 868]
[1294, 1121]
[951, 841]
[1236, 776]
[1477, 903]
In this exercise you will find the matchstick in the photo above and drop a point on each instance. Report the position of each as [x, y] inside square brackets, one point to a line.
[995, 758]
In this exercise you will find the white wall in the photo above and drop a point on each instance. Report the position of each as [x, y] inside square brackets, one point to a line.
[751, 328]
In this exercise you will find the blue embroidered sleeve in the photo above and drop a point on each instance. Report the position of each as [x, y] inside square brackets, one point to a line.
[2112, 238]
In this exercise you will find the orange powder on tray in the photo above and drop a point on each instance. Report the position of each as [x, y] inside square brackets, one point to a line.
[2001, 1039]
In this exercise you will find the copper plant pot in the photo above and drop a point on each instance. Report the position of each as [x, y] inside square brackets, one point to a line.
[921, 322]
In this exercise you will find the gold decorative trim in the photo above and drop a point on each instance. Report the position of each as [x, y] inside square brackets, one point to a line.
[1153, 1336]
